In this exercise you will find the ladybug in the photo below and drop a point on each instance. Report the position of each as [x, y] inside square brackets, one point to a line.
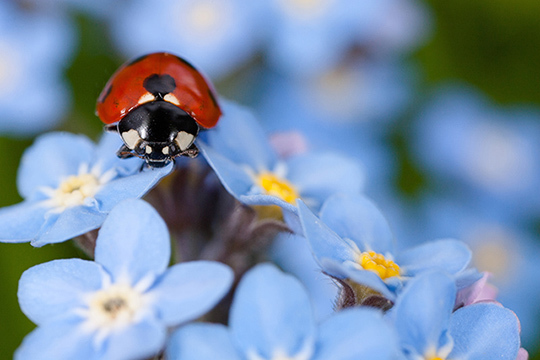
[158, 103]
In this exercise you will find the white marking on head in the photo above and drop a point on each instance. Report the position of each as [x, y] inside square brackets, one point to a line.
[131, 138]
[184, 139]
[148, 149]
[165, 150]
[147, 97]
[172, 99]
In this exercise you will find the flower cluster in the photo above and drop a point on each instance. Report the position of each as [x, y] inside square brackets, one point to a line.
[336, 211]
[123, 304]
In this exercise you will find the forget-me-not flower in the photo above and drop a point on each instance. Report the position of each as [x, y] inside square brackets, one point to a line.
[121, 305]
[352, 241]
[429, 329]
[241, 155]
[271, 318]
[483, 150]
[35, 50]
[69, 185]
[217, 36]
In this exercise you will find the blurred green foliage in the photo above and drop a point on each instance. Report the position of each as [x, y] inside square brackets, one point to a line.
[493, 44]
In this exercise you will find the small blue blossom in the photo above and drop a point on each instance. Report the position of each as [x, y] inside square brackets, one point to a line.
[241, 155]
[487, 151]
[35, 50]
[121, 305]
[218, 36]
[353, 241]
[429, 329]
[310, 37]
[271, 318]
[69, 185]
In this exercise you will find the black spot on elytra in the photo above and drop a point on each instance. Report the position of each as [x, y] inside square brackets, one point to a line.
[136, 60]
[159, 85]
[105, 93]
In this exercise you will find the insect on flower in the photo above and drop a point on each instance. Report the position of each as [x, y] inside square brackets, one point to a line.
[157, 103]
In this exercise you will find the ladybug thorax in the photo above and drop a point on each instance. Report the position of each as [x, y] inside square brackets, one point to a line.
[158, 131]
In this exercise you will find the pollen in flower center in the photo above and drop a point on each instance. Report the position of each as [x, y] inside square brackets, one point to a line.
[75, 189]
[115, 305]
[370, 260]
[276, 186]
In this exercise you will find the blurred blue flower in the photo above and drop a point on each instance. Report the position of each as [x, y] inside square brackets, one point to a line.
[35, 48]
[216, 36]
[69, 185]
[499, 246]
[489, 152]
[310, 37]
[429, 329]
[241, 155]
[271, 318]
[121, 305]
[352, 241]
[101, 8]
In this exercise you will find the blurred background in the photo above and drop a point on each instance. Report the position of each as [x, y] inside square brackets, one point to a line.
[439, 101]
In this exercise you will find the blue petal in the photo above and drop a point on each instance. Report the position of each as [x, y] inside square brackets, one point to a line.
[58, 340]
[130, 187]
[188, 290]
[484, 331]
[142, 340]
[21, 222]
[363, 277]
[240, 138]
[133, 242]
[324, 242]
[423, 310]
[268, 200]
[357, 218]
[271, 311]
[50, 290]
[52, 157]
[201, 342]
[356, 334]
[68, 224]
[232, 176]
[105, 155]
[448, 255]
[318, 176]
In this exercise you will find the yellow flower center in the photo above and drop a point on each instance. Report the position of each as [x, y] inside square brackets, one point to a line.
[75, 189]
[377, 263]
[276, 186]
[305, 9]
[113, 306]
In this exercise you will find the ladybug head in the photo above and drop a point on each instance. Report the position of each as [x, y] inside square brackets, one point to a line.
[158, 132]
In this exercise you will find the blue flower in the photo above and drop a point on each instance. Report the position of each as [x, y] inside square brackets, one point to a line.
[309, 37]
[239, 152]
[216, 36]
[271, 318]
[496, 160]
[121, 305]
[352, 241]
[69, 185]
[499, 245]
[429, 329]
[35, 49]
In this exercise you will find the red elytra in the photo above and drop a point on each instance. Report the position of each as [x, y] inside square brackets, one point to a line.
[193, 92]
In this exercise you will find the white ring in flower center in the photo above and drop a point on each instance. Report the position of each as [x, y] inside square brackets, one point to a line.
[75, 189]
[114, 306]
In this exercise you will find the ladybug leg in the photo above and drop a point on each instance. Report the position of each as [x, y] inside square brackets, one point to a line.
[191, 151]
[111, 128]
[124, 152]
